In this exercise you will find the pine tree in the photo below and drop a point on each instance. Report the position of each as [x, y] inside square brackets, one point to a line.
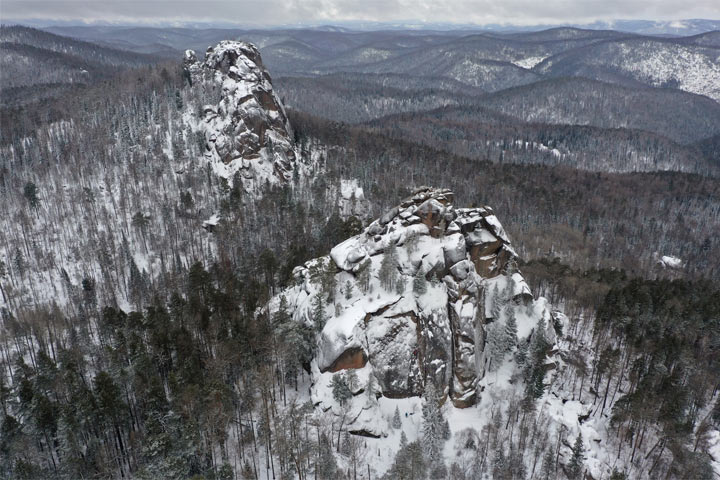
[341, 391]
[370, 389]
[495, 345]
[534, 371]
[496, 303]
[136, 286]
[352, 379]
[409, 463]
[30, 192]
[618, 475]
[396, 421]
[328, 280]
[363, 276]
[432, 436]
[510, 331]
[319, 316]
[576, 465]
[419, 283]
[400, 285]
[19, 262]
[388, 268]
[326, 467]
[521, 354]
[446, 433]
[548, 466]
[509, 289]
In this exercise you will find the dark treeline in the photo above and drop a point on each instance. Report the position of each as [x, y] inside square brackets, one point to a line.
[588, 219]
[483, 134]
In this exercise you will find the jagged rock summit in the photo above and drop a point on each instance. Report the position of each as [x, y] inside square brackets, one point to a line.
[247, 130]
[424, 293]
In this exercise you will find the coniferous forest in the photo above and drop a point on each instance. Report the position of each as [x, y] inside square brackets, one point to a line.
[169, 309]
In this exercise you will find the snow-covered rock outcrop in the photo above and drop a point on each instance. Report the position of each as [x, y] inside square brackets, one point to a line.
[247, 131]
[351, 200]
[417, 296]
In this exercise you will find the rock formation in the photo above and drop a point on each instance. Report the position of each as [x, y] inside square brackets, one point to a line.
[412, 298]
[247, 130]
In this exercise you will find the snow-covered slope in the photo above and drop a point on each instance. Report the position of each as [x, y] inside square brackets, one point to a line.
[247, 130]
[425, 293]
[654, 62]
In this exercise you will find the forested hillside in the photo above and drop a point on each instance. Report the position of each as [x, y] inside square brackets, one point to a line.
[209, 273]
[35, 64]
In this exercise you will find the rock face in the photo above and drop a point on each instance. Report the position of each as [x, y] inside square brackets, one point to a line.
[247, 130]
[412, 299]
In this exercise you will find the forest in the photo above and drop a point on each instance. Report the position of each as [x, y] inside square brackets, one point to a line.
[136, 339]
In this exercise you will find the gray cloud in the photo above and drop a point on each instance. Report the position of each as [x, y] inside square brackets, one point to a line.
[275, 12]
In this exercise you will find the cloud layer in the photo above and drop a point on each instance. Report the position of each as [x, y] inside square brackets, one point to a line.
[276, 12]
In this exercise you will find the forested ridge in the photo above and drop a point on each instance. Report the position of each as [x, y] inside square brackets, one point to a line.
[137, 340]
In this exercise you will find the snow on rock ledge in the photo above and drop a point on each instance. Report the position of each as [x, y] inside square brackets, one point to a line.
[412, 298]
[247, 131]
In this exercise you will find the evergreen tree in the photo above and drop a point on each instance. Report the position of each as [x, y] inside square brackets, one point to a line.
[19, 262]
[548, 466]
[388, 268]
[535, 369]
[617, 475]
[497, 303]
[495, 345]
[510, 332]
[340, 389]
[363, 276]
[326, 465]
[136, 285]
[328, 280]
[351, 379]
[319, 316]
[521, 354]
[446, 432]
[400, 285]
[419, 283]
[396, 421]
[370, 389]
[576, 465]
[507, 293]
[30, 192]
[433, 422]
[409, 462]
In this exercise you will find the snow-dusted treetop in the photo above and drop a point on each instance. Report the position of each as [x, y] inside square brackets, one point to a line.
[410, 300]
[247, 130]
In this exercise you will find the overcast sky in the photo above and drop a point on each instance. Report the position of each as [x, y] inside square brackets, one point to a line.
[276, 12]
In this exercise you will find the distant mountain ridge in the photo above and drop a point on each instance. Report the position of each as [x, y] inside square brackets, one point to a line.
[29, 56]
